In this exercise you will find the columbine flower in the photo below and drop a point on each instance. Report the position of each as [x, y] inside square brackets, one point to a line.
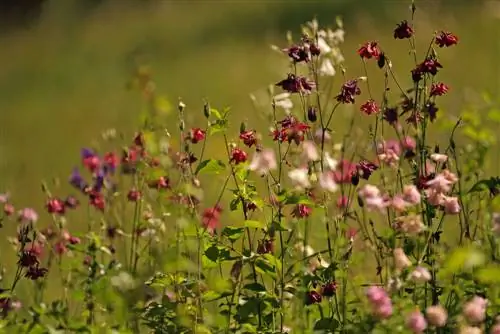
[28, 215]
[430, 66]
[313, 297]
[348, 92]
[326, 68]
[296, 84]
[90, 159]
[369, 50]
[431, 109]
[366, 168]
[438, 89]
[446, 39]
[248, 137]
[474, 310]
[416, 322]
[134, 195]
[238, 156]
[401, 261]
[436, 315]
[369, 107]
[411, 194]
[451, 205]
[300, 178]
[391, 115]
[263, 161]
[196, 135]
[329, 289]
[301, 211]
[309, 151]
[440, 158]
[403, 30]
[77, 181]
[327, 182]
[55, 205]
[410, 224]
[298, 53]
[420, 275]
[380, 302]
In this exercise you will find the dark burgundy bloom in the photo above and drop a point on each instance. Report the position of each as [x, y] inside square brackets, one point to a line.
[430, 66]
[348, 92]
[128, 160]
[439, 89]
[163, 182]
[196, 135]
[111, 232]
[266, 246]
[238, 156]
[77, 181]
[291, 130]
[301, 211]
[97, 200]
[314, 49]
[298, 53]
[366, 168]
[391, 115]
[329, 289]
[90, 159]
[35, 273]
[313, 297]
[296, 84]
[421, 181]
[134, 195]
[251, 206]
[369, 107]
[369, 50]
[431, 109]
[446, 39]
[139, 140]
[71, 202]
[248, 137]
[55, 205]
[28, 259]
[312, 114]
[403, 30]
[74, 240]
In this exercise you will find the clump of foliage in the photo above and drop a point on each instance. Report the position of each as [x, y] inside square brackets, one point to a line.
[203, 228]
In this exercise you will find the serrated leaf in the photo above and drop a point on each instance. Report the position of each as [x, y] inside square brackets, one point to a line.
[210, 166]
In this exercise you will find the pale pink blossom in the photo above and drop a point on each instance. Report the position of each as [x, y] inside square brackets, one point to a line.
[377, 203]
[398, 203]
[410, 224]
[474, 310]
[401, 261]
[440, 183]
[300, 178]
[263, 161]
[309, 151]
[28, 215]
[368, 191]
[434, 197]
[451, 205]
[380, 302]
[436, 315]
[439, 158]
[409, 143]
[420, 275]
[416, 322]
[327, 182]
[411, 194]
[390, 158]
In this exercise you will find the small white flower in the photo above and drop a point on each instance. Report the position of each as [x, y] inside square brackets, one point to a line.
[300, 178]
[436, 157]
[263, 161]
[338, 58]
[327, 182]
[329, 162]
[309, 151]
[283, 101]
[326, 68]
[323, 46]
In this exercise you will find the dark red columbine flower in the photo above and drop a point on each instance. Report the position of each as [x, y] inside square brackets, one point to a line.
[35, 273]
[238, 156]
[139, 140]
[251, 206]
[27, 259]
[431, 109]
[439, 89]
[342, 202]
[111, 232]
[163, 182]
[134, 195]
[248, 137]
[196, 135]
[369, 107]
[348, 91]
[55, 205]
[391, 115]
[314, 49]
[97, 200]
[90, 159]
[71, 202]
[312, 114]
[345, 171]
[301, 211]
[265, 246]
[111, 161]
[210, 218]
[298, 53]
[430, 66]
[329, 289]
[446, 38]
[403, 30]
[128, 160]
[313, 297]
[296, 84]
[366, 168]
[369, 50]
[291, 130]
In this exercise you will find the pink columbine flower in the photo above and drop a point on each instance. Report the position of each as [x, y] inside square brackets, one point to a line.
[437, 315]
[28, 215]
[263, 161]
[474, 310]
[401, 261]
[309, 151]
[411, 194]
[416, 322]
[420, 275]
[381, 303]
[451, 205]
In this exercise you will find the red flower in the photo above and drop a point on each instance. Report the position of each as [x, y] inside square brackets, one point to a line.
[163, 182]
[329, 289]
[342, 202]
[134, 195]
[298, 53]
[248, 138]
[71, 202]
[90, 159]
[291, 129]
[439, 89]
[370, 107]
[369, 50]
[344, 172]
[196, 135]
[8, 209]
[313, 297]
[97, 200]
[296, 84]
[403, 30]
[111, 161]
[55, 205]
[238, 156]
[348, 91]
[301, 211]
[366, 168]
[210, 218]
[265, 246]
[446, 39]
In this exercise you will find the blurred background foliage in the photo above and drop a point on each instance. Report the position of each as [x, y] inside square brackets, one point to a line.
[64, 65]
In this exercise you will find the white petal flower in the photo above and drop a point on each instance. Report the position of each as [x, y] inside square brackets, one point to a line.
[327, 182]
[309, 151]
[323, 46]
[263, 161]
[329, 162]
[300, 178]
[326, 68]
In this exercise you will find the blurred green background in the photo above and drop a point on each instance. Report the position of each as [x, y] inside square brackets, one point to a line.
[63, 74]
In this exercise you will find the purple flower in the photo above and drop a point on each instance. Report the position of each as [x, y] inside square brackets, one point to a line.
[77, 181]
[87, 153]
[99, 180]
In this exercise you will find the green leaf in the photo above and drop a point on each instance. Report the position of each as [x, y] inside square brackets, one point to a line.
[219, 125]
[212, 253]
[326, 324]
[265, 268]
[151, 142]
[254, 224]
[210, 166]
[233, 233]
[256, 287]
[463, 259]
[489, 275]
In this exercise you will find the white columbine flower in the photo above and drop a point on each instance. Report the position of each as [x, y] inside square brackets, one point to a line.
[300, 178]
[326, 68]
